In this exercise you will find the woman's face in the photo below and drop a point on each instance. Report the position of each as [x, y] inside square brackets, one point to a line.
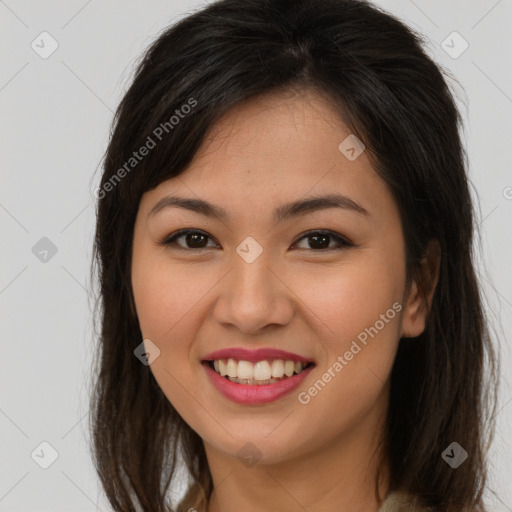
[254, 279]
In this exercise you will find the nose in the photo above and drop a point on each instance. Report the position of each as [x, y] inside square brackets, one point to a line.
[253, 296]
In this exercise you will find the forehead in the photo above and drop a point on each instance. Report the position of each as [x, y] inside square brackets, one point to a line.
[286, 125]
[275, 149]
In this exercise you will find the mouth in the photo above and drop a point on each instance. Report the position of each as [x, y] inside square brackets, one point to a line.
[259, 373]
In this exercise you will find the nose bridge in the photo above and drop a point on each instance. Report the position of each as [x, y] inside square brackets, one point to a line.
[253, 278]
[253, 296]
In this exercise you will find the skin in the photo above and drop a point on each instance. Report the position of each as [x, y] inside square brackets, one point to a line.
[295, 296]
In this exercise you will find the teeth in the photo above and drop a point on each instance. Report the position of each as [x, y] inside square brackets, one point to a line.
[263, 372]
[277, 369]
[231, 368]
[289, 368]
[245, 370]
[253, 382]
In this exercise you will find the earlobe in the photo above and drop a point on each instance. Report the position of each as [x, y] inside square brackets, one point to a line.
[414, 315]
[419, 304]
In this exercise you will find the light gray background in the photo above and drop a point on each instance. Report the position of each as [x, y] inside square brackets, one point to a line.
[55, 115]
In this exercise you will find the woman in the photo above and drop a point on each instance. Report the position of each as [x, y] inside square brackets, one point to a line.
[284, 248]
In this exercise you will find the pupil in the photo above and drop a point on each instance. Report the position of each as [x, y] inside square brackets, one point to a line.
[324, 237]
[192, 236]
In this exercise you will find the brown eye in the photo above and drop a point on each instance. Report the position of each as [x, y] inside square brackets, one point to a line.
[320, 240]
[193, 239]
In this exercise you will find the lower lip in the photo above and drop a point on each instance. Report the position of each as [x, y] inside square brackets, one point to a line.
[256, 394]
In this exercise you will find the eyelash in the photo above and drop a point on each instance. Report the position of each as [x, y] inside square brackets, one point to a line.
[343, 242]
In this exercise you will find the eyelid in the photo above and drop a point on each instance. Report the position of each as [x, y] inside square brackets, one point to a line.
[343, 241]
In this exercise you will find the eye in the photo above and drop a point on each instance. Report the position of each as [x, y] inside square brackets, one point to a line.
[196, 239]
[320, 240]
[193, 237]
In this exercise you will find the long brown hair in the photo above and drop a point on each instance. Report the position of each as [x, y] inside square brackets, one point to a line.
[374, 71]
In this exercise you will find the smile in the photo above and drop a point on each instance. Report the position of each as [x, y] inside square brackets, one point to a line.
[258, 373]
[255, 392]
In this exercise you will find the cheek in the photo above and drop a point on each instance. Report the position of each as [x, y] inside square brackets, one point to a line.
[163, 295]
[352, 297]
[357, 314]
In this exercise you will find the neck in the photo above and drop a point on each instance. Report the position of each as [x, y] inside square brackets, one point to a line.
[341, 477]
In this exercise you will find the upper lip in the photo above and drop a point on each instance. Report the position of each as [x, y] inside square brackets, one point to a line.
[255, 355]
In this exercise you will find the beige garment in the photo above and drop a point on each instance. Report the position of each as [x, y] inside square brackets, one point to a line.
[397, 502]
[401, 502]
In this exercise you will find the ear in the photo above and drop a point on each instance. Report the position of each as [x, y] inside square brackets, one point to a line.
[416, 310]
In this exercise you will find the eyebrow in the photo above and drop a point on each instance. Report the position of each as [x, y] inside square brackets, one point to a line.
[282, 213]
